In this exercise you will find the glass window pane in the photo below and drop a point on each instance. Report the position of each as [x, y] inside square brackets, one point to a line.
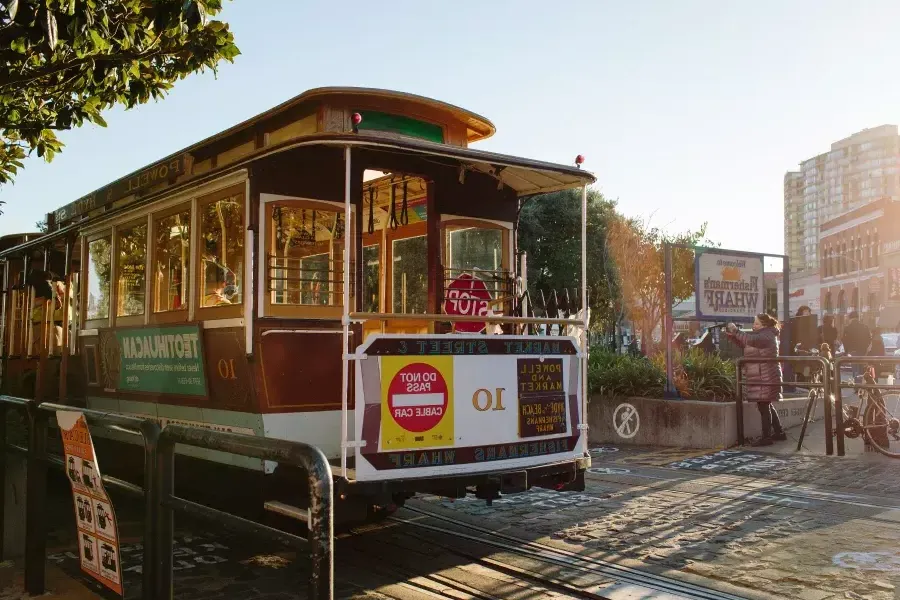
[99, 253]
[476, 249]
[222, 249]
[478, 252]
[410, 275]
[371, 278]
[171, 264]
[131, 267]
[304, 256]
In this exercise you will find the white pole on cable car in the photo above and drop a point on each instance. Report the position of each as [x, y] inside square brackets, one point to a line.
[585, 319]
[345, 318]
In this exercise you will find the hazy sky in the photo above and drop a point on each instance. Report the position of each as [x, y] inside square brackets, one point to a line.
[687, 110]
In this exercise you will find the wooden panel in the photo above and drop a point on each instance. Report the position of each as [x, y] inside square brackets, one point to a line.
[301, 371]
[304, 126]
[233, 154]
[228, 372]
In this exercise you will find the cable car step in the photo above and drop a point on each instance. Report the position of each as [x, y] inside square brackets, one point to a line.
[292, 512]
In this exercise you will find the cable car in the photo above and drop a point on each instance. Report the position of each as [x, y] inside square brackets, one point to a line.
[341, 270]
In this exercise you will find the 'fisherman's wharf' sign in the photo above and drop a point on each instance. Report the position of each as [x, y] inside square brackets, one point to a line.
[729, 285]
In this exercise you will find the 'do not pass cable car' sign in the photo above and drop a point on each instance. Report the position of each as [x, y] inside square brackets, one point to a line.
[417, 402]
[467, 295]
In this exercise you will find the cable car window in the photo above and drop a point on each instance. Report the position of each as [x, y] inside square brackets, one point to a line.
[131, 283]
[222, 250]
[479, 253]
[170, 264]
[99, 253]
[371, 278]
[410, 275]
[304, 256]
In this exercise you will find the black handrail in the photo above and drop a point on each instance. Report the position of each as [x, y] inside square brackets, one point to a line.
[157, 491]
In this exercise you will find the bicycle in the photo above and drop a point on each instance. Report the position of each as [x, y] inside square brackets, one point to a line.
[879, 426]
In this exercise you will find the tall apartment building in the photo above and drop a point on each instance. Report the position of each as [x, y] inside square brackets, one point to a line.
[794, 221]
[856, 171]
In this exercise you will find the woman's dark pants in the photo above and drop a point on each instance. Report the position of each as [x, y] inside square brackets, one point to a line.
[769, 419]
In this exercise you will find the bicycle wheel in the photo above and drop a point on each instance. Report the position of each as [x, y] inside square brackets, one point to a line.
[881, 426]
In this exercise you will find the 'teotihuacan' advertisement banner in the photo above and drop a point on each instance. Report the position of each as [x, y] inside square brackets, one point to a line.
[437, 405]
[95, 519]
[161, 360]
[729, 285]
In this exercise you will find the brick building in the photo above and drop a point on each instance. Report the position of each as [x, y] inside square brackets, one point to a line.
[860, 264]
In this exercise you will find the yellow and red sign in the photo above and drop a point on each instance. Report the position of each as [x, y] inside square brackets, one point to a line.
[416, 401]
[98, 536]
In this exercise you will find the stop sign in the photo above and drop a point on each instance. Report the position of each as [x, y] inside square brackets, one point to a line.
[467, 295]
[417, 397]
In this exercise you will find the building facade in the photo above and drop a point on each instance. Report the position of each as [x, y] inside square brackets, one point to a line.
[860, 264]
[795, 217]
[858, 170]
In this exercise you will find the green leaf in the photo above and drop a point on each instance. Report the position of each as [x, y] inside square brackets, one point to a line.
[12, 7]
[98, 120]
[51, 29]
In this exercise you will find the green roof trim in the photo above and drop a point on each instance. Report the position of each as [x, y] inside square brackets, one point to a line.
[379, 121]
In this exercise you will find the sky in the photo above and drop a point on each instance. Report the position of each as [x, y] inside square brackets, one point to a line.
[687, 111]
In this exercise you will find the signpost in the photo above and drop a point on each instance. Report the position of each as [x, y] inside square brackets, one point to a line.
[98, 536]
[467, 295]
[729, 286]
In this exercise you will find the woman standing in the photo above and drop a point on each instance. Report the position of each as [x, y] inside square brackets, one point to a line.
[762, 342]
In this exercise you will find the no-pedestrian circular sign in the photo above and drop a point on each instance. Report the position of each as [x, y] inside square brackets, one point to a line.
[417, 397]
[468, 295]
[626, 420]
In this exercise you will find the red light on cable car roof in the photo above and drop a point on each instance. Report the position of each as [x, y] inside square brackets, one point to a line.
[356, 118]
[579, 160]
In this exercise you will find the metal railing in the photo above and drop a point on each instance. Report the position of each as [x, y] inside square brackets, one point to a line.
[38, 459]
[840, 385]
[321, 488]
[158, 493]
[825, 385]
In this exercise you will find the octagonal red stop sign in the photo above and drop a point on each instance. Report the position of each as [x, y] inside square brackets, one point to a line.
[417, 397]
[467, 295]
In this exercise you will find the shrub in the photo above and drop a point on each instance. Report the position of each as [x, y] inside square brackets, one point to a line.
[612, 374]
[698, 376]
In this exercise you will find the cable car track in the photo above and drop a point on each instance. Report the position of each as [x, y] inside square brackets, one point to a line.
[556, 556]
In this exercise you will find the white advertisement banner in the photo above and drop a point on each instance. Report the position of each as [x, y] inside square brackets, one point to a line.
[729, 286]
[433, 405]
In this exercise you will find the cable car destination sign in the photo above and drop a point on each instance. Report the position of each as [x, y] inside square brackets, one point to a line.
[431, 405]
[729, 284]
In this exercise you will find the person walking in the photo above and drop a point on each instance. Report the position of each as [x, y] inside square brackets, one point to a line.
[857, 338]
[762, 342]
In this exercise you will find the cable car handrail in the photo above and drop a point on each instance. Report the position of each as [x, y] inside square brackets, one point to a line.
[360, 317]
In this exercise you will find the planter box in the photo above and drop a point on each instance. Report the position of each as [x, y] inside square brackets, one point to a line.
[683, 423]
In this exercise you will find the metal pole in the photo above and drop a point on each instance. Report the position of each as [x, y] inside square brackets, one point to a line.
[3, 458]
[321, 526]
[667, 328]
[839, 412]
[788, 347]
[165, 531]
[35, 501]
[345, 317]
[584, 316]
[150, 431]
[739, 401]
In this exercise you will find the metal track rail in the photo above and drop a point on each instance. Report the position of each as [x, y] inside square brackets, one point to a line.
[566, 558]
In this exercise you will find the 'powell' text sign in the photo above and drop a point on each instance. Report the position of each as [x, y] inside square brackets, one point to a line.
[729, 285]
[162, 360]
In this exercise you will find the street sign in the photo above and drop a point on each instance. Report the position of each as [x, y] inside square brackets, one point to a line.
[417, 397]
[95, 519]
[468, 296]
